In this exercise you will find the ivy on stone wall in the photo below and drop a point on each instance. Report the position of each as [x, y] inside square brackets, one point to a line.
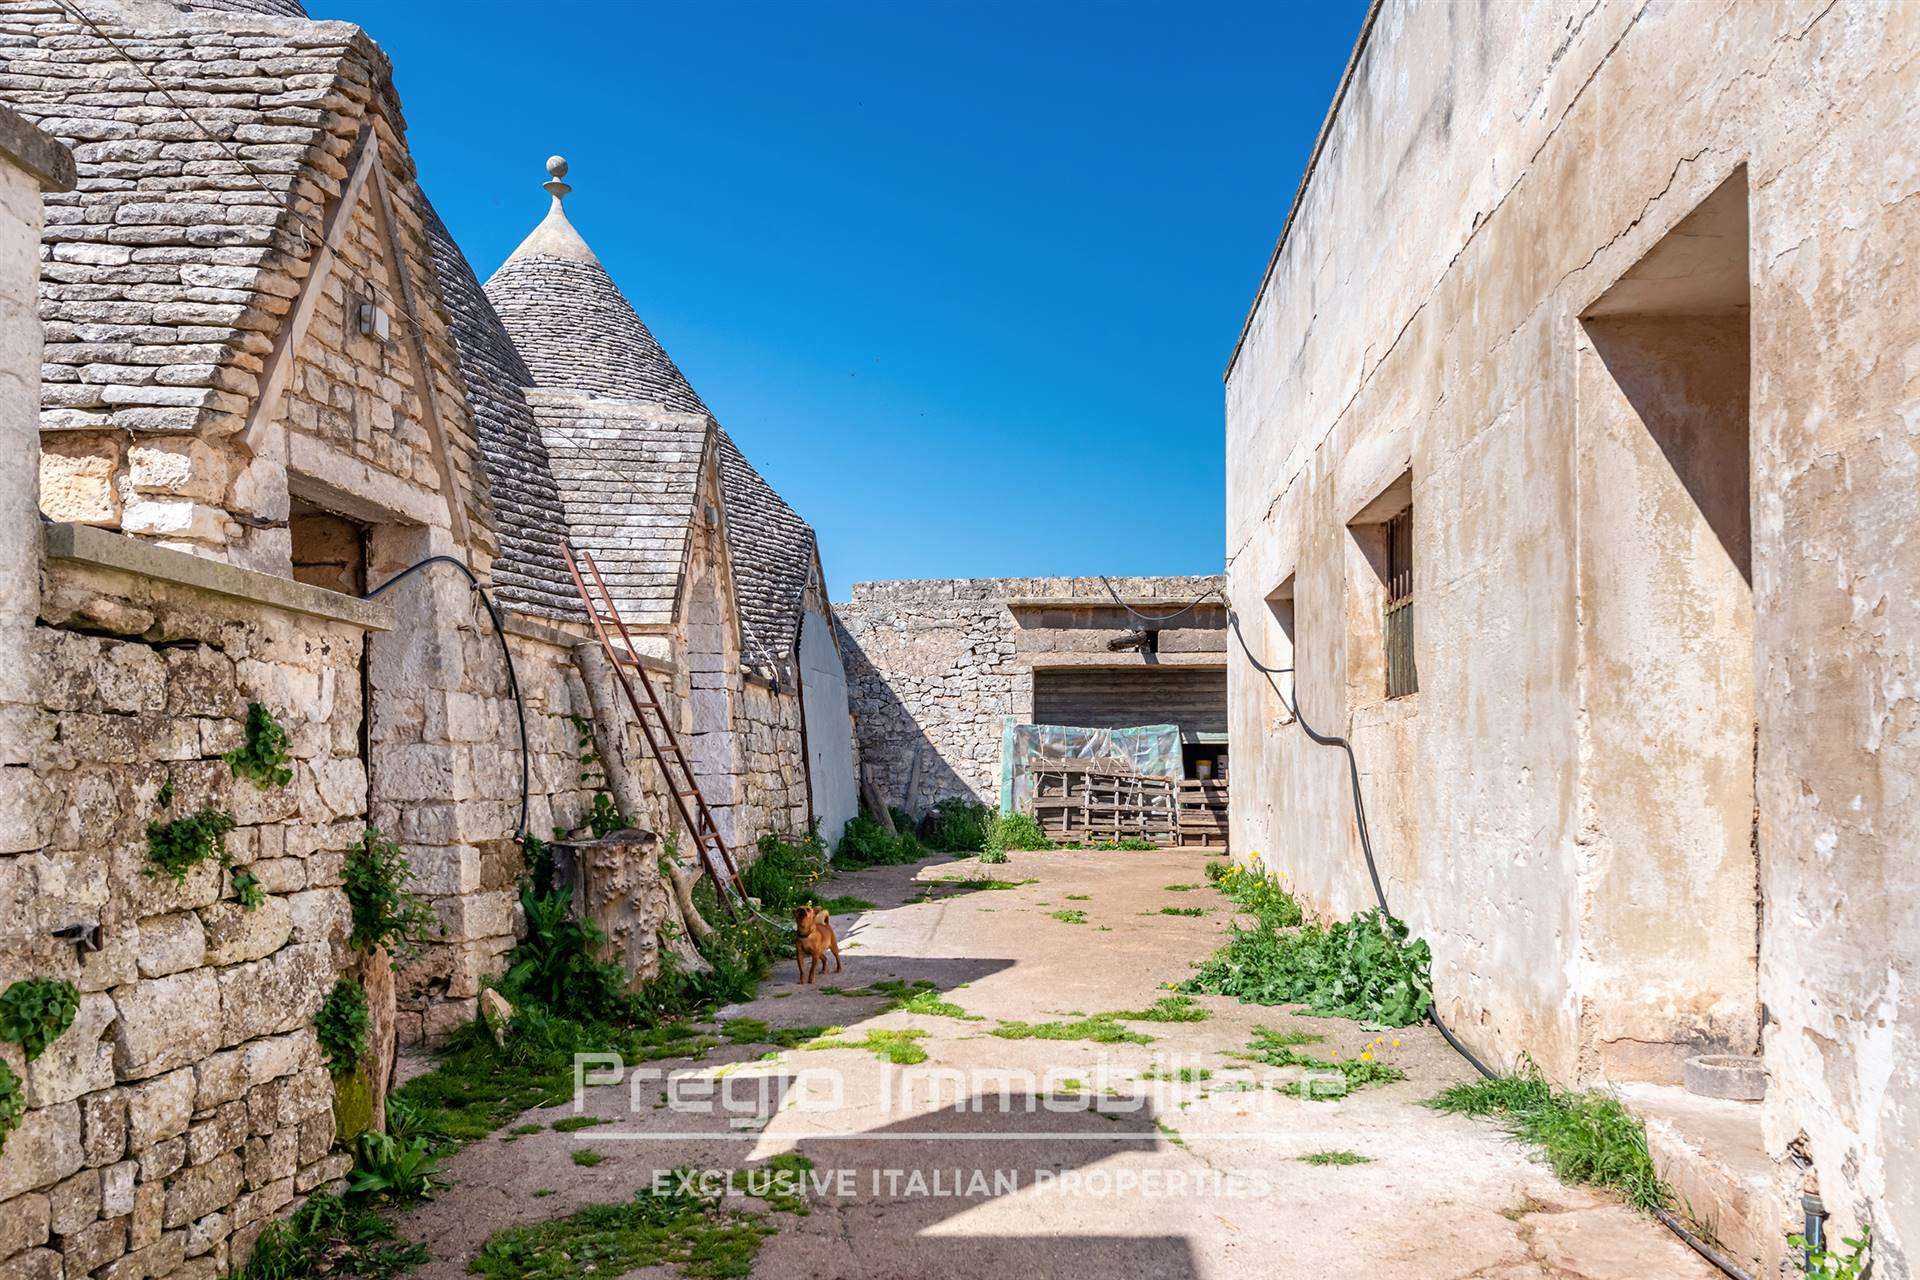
[379, 884]
[13, 1103]
[177, 847]
[263, 757]
[341, 1026]
[247, 891]
[35, 1011]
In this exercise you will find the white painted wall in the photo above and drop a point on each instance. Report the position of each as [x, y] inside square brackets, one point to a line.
[829, 728]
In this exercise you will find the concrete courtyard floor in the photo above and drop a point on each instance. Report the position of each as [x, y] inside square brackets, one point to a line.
[1100, 1173]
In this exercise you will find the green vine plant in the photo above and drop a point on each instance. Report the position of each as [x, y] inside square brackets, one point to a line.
[263, 757]
[341, 1026]
[247, 891]
[1831, 1264]
[177, 847]
[604, 818]
[35, 1011]
[13, 1103]
[385, 910]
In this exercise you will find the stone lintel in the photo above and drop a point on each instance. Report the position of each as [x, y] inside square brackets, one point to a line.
[84, 544]
[1124, 661]
[39, 153]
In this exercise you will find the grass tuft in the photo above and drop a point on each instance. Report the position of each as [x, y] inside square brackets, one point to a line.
[1586, 1137]
[1334, 1158]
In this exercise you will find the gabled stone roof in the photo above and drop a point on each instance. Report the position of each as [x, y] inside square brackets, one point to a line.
[772, 551]
[169, 266]
[573, 325]
[628, 474]
[531, 572]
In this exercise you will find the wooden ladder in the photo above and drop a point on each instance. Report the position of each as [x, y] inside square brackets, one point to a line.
[662, 742]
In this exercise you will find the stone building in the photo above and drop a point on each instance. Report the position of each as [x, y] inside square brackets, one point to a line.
[938, 668]
[1570, 446]
[272, 384]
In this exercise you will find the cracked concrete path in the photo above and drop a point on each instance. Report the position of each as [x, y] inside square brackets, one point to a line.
[1084, 1160]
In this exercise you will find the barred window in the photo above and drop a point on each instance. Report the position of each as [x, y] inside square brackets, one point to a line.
[1402, 678]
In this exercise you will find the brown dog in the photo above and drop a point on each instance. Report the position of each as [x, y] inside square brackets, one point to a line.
[813, 939]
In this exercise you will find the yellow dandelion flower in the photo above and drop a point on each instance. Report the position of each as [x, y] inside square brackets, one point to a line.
[1366, 1057]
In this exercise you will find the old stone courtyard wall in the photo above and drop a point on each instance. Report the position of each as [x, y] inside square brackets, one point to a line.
[773, 793]
[936, 667]
[1459, 318]
[188, 1102]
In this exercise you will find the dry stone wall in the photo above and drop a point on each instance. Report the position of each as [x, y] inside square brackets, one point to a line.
[773, 791]
[188, 1102]
[934, 669]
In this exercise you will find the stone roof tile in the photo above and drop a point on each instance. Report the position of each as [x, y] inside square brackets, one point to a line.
[574, 326]
[531, 573]
[772, 552]
[628, 475]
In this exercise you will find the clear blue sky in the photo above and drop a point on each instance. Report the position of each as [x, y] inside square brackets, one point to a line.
[961, 279]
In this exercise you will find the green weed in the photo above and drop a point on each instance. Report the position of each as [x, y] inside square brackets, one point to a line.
[587, 1157]
[263, 756]
[1010, 831]
[1070, 916]
[1586, 1137]
[1183, 911]
[1101, 1028]
[329, 1235]
[1334, 1158]
[573, 1124]
[1363, 968]
[897, 1047]
[1165, 1009]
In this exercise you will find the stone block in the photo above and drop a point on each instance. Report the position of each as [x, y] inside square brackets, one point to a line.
[272, 1158]
[226, 1131]
[324, 1170]
[174, 518]
[131, 677]
[236, 934]
[171, 944]
[42, 1151]
[306, 1093]
[267, 996]
[116, 1188]
[103, 1127]
[94, 1246]
[319, 915]
[206, 1234]
[160, 1108]
[162, 1158]
[74, 1202]
[78, 1062]
[200, 682]
[280, 875]
[23, 1223]
[34, 1264]
[199, 1190]
[165, 1023]
[182, 467]
[149, 1203]
[78, 487]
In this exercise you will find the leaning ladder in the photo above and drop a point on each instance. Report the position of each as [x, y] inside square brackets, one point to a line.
[662, 742]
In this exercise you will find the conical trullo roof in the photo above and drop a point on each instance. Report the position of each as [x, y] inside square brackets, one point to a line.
[571, 323]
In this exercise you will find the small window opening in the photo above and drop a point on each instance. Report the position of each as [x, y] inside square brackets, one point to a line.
[1402, 677]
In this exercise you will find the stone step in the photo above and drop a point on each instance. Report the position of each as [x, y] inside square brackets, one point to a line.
[1711, 1152]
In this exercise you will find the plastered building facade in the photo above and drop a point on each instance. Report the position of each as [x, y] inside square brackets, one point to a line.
[270, 384]
[1587, 358]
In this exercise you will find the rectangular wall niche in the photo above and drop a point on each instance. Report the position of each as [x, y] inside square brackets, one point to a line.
[1667, 639]
[1380, 609]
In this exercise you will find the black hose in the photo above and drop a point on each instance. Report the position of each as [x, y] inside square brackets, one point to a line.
[513, 678]
[1665, 1218]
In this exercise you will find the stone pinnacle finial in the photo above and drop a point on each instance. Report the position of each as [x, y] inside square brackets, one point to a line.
[557, 167]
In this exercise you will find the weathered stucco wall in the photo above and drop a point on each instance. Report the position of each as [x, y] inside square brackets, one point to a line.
[1559, 807]
[935, 667]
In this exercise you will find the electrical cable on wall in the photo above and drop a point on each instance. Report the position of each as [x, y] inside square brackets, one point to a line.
[513, 678]
[1665, 1218]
